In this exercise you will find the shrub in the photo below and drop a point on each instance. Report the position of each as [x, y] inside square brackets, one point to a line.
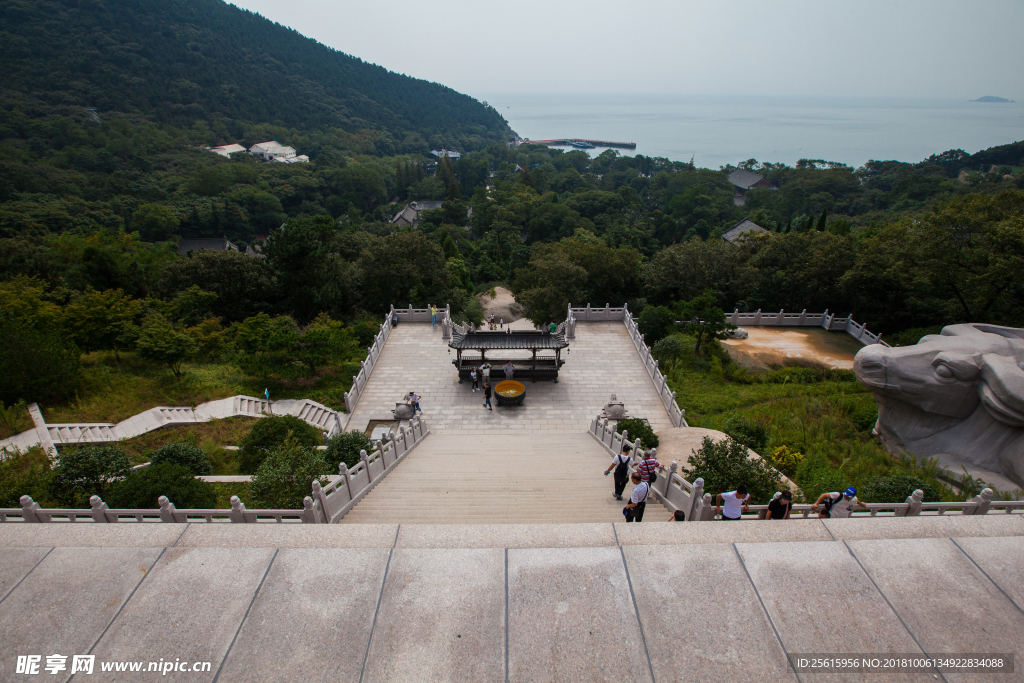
[785, 460]
[667, 349]
[725, 465]
[286, 476]
[185, 454]
[895, 489]
[345, 447]
[638, 428]
[655, 322]
[143, 488]
[751, 433]
[84, 471]
[268, 434]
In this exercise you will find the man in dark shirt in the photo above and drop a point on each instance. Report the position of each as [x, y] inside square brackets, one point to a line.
[779, 507]
[487, 396]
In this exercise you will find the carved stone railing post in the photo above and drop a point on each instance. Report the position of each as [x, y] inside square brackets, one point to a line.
[166, 509]
[913, 501]
[696, 501]
[366, 464]
[237, 514]
[308, 513]
[984, 501]
[99, 509]
[28, 509]
[320, 512]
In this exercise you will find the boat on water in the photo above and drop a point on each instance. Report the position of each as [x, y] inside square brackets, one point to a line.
[580, 144]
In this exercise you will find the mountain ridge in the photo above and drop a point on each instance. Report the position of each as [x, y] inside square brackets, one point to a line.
[183, 61]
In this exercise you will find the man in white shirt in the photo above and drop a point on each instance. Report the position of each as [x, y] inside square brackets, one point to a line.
[735, 503]
[413, 399]
[837, 505]
[621, 463]
[637, 501]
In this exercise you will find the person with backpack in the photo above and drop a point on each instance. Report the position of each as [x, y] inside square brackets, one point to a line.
[780, 506]
[634, 512]
[736, 503]
[621, 464]
[837, 505]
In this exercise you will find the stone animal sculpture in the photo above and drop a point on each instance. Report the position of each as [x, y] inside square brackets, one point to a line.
[960, 392]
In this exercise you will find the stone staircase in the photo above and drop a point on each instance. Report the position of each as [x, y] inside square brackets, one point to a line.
[476, 478]
[82, 433]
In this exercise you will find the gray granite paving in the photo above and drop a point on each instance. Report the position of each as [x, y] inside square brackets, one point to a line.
[931, 584]
[602, 360]
[1002, 559]
[311, 619]
[571, 617]
[289, 536]
[188, 608]
[442, 618]
[16, 564]
[505, 536]
[699, 616]
[68, 599]
[821, 601]
[151, 535]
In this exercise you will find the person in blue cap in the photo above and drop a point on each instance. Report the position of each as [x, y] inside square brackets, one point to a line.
[835, 504]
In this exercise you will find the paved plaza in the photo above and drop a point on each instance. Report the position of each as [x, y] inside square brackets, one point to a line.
[601, 361]
[533, 463]
[493, 603]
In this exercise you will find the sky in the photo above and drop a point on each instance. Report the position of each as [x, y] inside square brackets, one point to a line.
[866, 48]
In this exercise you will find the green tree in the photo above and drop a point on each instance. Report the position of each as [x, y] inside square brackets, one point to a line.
[265, 345]
[324, 342]
[143, 487]
[268, 434]
[102, 320]
[161, 343]
[704, 319]
[36, 365]
[84, 471]
[725, 465]
[344, 447]
[244, 285]
[155, 223]
[655, 322]
[184, 454]
[286, 476]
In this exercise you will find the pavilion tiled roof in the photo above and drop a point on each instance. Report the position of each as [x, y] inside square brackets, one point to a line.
[523, 339]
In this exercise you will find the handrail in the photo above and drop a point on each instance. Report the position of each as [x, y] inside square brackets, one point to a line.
[825, 320]
[676, 493]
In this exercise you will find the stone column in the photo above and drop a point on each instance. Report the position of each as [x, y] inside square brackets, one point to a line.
[237, 514]
[166, 509]
[914, 501]
[99, 510]
[984, 501]
[28, 510]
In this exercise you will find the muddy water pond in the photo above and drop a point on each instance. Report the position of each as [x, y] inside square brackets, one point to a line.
[777, 346]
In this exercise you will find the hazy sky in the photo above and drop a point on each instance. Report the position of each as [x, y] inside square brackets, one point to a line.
[919, 48]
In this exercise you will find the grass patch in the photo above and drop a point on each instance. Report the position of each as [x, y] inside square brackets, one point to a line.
[113, 391]
[210, 436]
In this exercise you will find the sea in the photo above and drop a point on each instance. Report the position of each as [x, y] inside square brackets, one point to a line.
[719, 130]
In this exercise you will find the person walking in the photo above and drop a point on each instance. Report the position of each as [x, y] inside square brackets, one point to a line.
[487, 396]
[648, 465]
[621, 464]
[735, 503]
[638, 500]
[475, 376]
[485, 372]
[433, 316]
[780, 506]
[509, 369]
[413, 399]
[501, 323]
[837, 505]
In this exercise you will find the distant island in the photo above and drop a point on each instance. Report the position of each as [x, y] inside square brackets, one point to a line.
[991, 98]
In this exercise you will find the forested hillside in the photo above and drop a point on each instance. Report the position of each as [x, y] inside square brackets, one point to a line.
[209, 64]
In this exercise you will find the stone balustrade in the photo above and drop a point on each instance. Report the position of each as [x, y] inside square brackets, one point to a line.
[326, 505]
[676, 493]
[827, 320]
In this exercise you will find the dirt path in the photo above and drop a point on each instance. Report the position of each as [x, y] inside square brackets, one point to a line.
[502, 306]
